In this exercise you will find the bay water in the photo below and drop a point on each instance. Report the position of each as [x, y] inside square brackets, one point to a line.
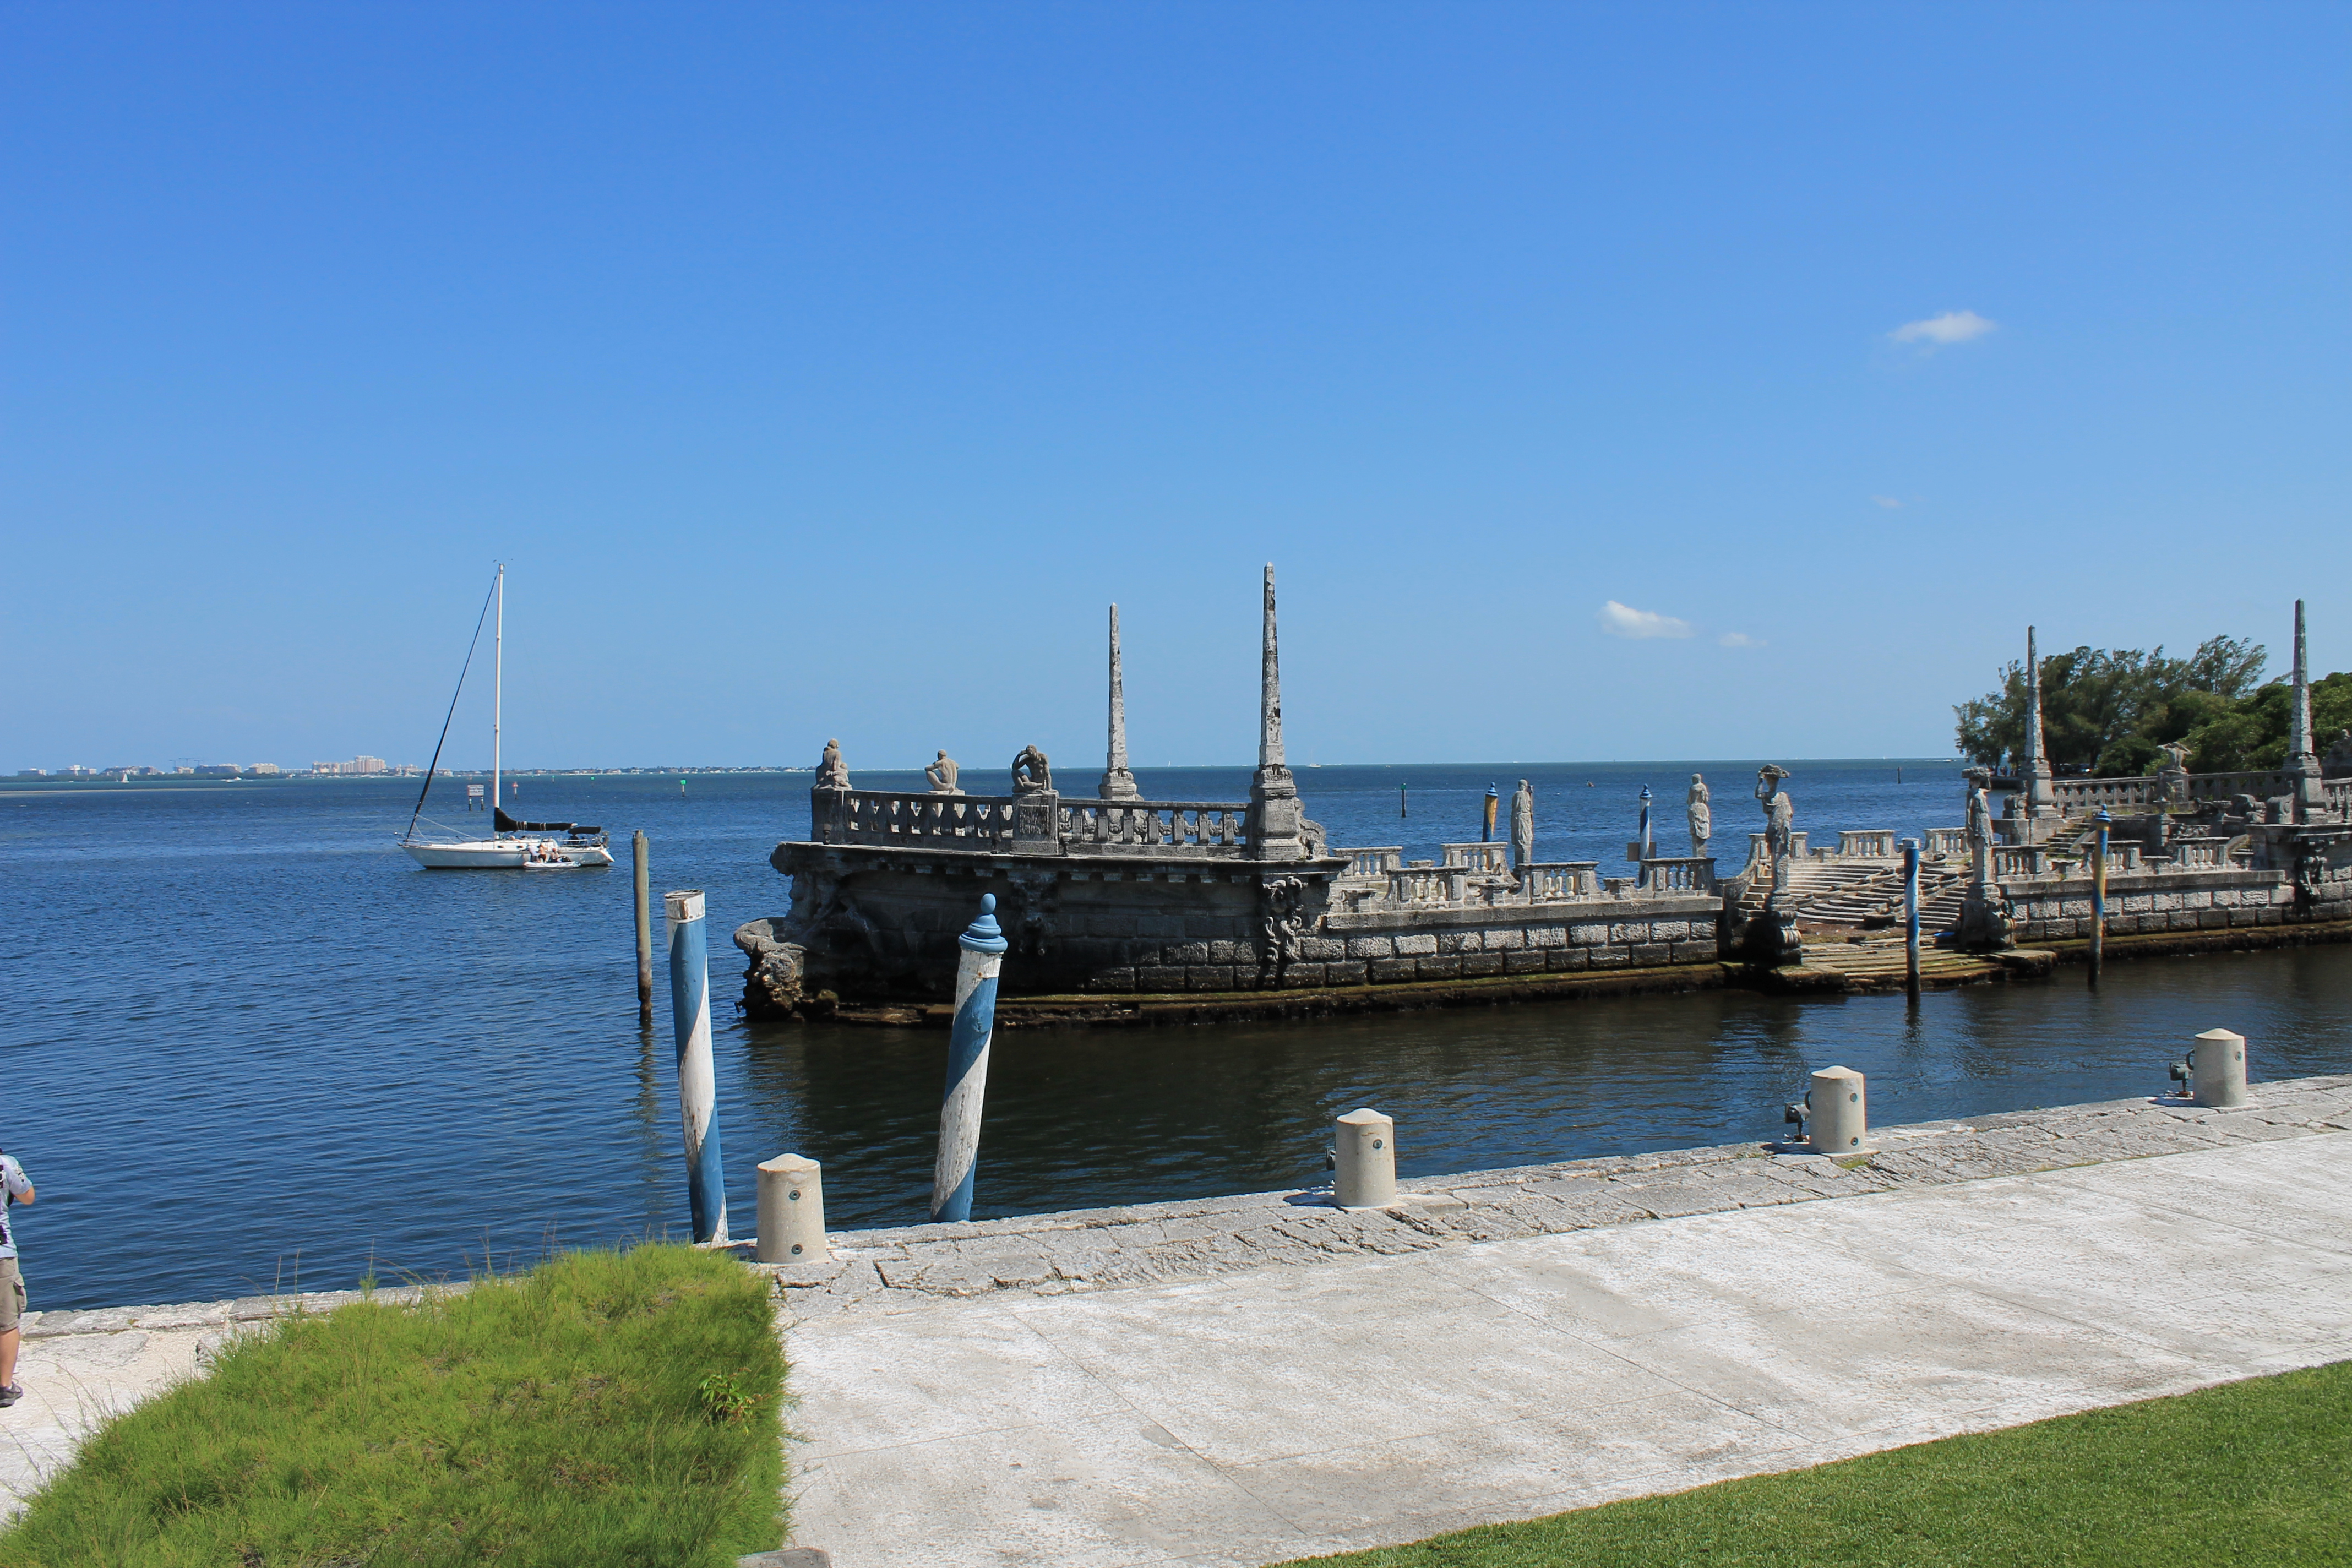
[249, 1046]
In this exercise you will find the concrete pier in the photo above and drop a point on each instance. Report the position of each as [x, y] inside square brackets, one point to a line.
[1251, 1380]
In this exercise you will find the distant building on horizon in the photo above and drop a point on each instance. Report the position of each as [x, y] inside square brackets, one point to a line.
[356, 765]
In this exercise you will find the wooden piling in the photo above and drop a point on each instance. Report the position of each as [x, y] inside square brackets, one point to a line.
[637, 859]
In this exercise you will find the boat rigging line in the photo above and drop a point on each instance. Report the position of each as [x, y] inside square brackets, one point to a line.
[434, 766]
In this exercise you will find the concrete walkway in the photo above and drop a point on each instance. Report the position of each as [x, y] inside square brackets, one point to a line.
[1274, 1412]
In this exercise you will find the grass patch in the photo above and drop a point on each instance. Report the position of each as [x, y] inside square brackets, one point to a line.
[2255, 1472]
[606, 1407]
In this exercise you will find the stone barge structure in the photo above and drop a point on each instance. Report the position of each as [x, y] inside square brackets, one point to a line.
[1125, 909]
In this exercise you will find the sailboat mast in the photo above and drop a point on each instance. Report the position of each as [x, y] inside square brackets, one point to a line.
[497, 696]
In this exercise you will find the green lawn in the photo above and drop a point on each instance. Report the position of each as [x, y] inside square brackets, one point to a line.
[2256, 1472]
[605, 1408]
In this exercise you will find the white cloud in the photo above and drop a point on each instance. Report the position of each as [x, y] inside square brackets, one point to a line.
[1625, 621]
[1739, 639]
[1889, 502]
[1938, 332]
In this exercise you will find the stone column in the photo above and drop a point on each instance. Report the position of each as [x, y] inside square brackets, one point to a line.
[1274, 813]
[2033, 767]
[1118, 783]
[2303, 770]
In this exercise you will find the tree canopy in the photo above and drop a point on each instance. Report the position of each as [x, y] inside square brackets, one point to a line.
[2112, 710]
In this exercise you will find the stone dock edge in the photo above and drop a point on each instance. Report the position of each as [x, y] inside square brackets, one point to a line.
[1829, 969]
[1093, 1249]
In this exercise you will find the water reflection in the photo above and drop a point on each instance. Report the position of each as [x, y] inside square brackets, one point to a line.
[1078, 1118]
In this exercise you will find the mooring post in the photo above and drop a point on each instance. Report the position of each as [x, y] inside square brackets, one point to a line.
[981, 953]
[1363, 1160]
[1841, 1113]
[2217, 1065]
[1649, 843]
[689, 1013]
[1486, 823]
[2099, 892]
[1911, 911]
[641, 864]
[791, 1211]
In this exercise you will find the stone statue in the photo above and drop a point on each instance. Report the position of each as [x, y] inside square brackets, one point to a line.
[1523, 824]
[1978, 822]
[2337, 762]
[1702, 817]
[831, 773]
[1779, 820]
[942, 775]
[1030, 774]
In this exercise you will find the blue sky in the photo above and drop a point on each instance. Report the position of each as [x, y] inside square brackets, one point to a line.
[827, 370]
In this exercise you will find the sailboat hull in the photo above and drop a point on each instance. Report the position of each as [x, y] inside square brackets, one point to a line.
[479, 855]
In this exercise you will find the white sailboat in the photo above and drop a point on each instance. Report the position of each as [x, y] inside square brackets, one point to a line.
[511, 844]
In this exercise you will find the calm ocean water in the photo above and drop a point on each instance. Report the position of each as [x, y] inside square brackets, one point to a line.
[249, 1043]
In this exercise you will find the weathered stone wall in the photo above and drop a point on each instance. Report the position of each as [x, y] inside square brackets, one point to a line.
[2300, 875]
[870, 924]
[1450, 944]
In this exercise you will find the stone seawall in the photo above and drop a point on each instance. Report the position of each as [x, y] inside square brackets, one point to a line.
[2060, 910]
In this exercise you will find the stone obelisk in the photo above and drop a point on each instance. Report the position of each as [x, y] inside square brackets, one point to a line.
[1274, 813]
[2034, 766]
[1118, 783]
[2303, 767]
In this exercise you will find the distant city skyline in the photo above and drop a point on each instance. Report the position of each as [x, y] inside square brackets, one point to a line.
[1606, 383]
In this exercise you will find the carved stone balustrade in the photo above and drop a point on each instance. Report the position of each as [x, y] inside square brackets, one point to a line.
[1424, 884]
[1682, 874]
[1376, 861]
[1947, 843]
[2199, 854]
[2019, 861]
[904, 817]
[1875, 843]
[2082, 798]
[1479, 858]
[1155, 826]
[1560, 881]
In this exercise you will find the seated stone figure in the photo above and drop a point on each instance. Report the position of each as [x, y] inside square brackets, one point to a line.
[1030, 771]
[831, 773]
[942, 775]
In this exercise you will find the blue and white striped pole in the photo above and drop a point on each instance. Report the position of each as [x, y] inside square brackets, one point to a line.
[1649, 845]
[1911, 912]
[981, 953]
[689, 1013]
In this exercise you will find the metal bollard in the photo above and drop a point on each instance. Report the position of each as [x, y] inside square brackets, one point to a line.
[1363, 1152]
[792, 1210]
[2218, 1064]
[689, 1011]
[1841, 1113]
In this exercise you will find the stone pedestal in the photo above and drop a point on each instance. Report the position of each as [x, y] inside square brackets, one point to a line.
[829, 816]
[1036, 828]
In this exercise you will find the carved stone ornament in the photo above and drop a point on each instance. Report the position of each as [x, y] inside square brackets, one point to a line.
[1030, 771]
[942, 775]
[831, 773]
[1279, 920]
[1523, 824]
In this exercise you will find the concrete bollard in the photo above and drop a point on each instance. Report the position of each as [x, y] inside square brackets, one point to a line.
[1363, 1152]
[1841, 1111]
[689, 1010]
[2218, 1068]
[792, 1210]
[980, 954]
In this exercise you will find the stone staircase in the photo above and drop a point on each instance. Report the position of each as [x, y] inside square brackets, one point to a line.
[1853, 891]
